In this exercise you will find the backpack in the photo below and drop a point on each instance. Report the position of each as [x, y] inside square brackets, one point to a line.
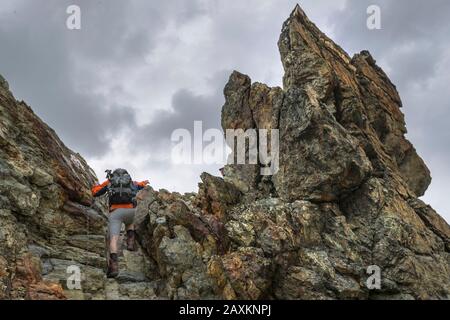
[121, 188]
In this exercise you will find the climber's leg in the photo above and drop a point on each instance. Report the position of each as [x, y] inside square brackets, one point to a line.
[114, 225]
[113, 244]
[116, 218]
[113, 235]
[131, 235]
[113, 261]
[131, 238]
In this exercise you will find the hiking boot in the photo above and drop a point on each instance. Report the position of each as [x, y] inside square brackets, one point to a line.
[113, 267]
[131, 240]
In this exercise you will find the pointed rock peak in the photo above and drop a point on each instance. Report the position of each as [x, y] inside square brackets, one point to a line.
[298, 11]
[298, 15]
[298, 29]
[302, 43]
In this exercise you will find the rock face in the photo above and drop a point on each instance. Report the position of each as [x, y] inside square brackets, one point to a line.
[44, 204]
[344, 200]
[345, 197]
[48, 221]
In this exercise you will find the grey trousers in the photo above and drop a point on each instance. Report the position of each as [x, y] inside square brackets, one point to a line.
[117, 217]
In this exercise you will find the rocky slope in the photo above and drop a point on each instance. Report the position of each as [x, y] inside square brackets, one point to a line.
[48, 221]
[345, 198]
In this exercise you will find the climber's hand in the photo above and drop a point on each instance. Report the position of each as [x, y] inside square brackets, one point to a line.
[142, 184]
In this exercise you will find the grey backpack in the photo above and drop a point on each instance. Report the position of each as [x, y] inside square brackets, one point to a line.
[121, 189]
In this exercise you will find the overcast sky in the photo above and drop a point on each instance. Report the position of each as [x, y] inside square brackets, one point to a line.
[116, 89]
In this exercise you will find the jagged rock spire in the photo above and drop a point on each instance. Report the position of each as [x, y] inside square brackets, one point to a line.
[357, 93]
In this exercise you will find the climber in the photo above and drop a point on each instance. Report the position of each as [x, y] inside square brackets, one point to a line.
[122, 194]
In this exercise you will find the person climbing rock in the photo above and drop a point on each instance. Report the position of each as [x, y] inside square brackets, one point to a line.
[121, 191]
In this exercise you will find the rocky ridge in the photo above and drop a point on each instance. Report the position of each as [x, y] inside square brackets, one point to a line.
[345, 198]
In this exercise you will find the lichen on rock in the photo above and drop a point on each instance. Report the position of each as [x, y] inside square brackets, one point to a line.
[344, 199]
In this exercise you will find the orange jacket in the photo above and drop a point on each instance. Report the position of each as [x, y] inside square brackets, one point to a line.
[101, 189]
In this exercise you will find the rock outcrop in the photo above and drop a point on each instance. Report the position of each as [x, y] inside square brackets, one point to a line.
[49, 224]
[345, 198]
[44, 204]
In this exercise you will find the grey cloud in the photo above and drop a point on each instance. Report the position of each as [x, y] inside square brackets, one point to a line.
[40, 56]
[414, 64]
[411, 38]
[36, 59]
[187, 107]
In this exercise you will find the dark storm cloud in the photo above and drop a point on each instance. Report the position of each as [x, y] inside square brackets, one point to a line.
[66, 76]
[411, 39]
[37, 59]
[414, 47]
[40, 57]
[187, 107]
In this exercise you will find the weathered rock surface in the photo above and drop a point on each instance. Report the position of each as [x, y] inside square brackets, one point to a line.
[44, 205]
[48, 221]
[345, 198]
